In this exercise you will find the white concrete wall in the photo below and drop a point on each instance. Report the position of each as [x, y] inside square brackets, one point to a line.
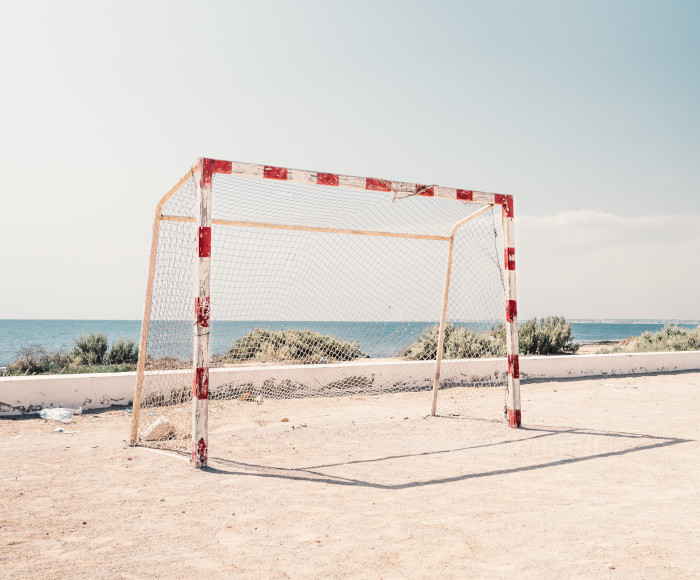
[590, 365]
[19, 395]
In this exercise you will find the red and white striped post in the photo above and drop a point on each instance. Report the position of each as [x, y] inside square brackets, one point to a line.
[202, 303]
[200, 381]
[512, 346]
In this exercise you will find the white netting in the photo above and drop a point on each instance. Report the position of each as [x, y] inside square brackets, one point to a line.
[302, 321]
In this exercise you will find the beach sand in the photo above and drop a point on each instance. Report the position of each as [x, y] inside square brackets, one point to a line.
[605, 346]
[605, 474]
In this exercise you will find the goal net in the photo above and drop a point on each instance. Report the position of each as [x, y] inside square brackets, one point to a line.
[277, 294]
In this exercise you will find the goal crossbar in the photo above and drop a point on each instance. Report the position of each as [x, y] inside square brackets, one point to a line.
[299, 228]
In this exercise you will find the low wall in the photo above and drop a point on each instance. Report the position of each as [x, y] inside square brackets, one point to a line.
[21, 395]
[591, 365]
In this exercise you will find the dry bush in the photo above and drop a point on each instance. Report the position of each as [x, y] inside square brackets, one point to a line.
[459, 342]
[548, 335]
[35, 360]
[671, 338]
[302, 346]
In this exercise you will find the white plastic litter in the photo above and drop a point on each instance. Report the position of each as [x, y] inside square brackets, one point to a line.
[60, 414]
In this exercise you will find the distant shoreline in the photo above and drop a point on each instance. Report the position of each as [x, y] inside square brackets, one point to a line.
[573, 320]
[380, 340]
[631, 321]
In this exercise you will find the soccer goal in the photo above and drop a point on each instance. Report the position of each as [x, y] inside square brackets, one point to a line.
[276, 291]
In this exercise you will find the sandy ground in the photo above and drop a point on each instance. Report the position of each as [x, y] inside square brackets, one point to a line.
[595, 347]
[603, 481]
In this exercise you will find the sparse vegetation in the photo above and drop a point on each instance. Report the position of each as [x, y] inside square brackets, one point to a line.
[35, 360]
[460, 342]
[548, 335]
[122, 352]
[610, 349]
[91, 354]
[300, 346]
[166, 363]
[105, 368]
[89, 350]
[671, 338]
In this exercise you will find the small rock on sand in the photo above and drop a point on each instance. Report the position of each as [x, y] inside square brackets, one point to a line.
[160, 430]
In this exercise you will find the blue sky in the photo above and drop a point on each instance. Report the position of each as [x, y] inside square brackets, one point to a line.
[587, 112]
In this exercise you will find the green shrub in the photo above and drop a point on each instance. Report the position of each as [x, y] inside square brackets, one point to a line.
[304, 346]
[671, 338]
[122, 352]
[548, 335]
[89, 355]
[90, 349]
[34, 360]
[460, 342]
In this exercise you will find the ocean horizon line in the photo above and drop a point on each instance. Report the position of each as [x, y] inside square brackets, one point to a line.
[573, 320]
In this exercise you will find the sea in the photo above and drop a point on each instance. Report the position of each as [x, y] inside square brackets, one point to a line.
[377, 339]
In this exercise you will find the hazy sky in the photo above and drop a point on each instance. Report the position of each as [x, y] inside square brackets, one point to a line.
[587, 112]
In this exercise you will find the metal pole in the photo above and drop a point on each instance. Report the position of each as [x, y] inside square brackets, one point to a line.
[200, 390]
[445, 296]
[143, 342]
[512, 346]
[441, 336]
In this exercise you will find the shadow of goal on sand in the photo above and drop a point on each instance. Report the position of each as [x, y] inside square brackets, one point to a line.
[532, 448]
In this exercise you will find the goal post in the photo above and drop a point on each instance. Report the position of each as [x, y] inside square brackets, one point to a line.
[148, 303]
[298, 285]
[512, 345]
